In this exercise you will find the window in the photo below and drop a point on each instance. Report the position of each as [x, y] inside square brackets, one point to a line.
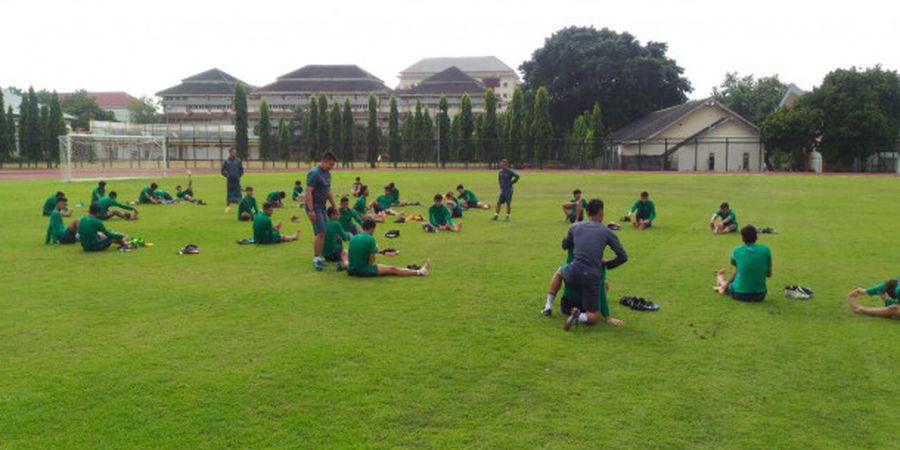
[711, 164]
[746, 161]
[505, 84]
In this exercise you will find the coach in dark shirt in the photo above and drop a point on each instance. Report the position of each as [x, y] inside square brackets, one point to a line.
[233, 170]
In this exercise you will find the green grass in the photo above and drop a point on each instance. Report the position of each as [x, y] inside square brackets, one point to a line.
[248, 347]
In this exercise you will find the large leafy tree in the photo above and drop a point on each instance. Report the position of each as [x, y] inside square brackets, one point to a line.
[752, 98]
[84, 108]
[490, 133]
[264, 131]
[541, 127]
[794, 132]
[241, 138]
[394, 142]
[144, 110]
[582, 65]
[373, 134]
[347, 155]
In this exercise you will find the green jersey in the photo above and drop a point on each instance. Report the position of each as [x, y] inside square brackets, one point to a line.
[361, 247]
[334, 237]
[107, 202]
[360, 205]
[753, 263]
[879, 289]
[395, 195]
[468, 196]
[384, 201]
[97, 194]
[645, 210]
[273, 196]
[439, 215]
[145, 195]
[298, 191]
[57, 229]
[247, 205]
[348, 216]
[159, 193]
[50, 205]
[88, 227]
[184, 193]
[263, 231]
[730, 215]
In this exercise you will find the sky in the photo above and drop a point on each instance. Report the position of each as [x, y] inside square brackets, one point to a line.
[145, 47]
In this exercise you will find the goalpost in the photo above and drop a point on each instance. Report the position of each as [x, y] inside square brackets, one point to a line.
[92, 156]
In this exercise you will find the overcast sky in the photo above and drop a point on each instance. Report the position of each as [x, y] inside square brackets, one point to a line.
[144, 47]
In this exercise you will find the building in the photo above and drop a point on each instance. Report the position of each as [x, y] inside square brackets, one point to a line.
[489, 70]
[452, 83]
[114, 102]
[206, 97]
[700, 135]
[338, 82]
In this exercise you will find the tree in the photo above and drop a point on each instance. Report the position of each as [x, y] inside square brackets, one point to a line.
[335, 124]
[84, 108]
[241, 139]
[10, 134]
[753, 99]
[372, 132]
[30, 141]
[426, 137]
[264, 131]
[46, 136]
[285, 136]
[312, 129]
[456, 137]
[144, 110]
[582, 65]
[347, 155]
[466, 128]
[598, 131]
[418, 136]
[5, 150]
[409, 137]
[323, 132]
[490, 134]
[394, 142]
[792, 131]
[516, 126]
[579, 148]
[443, 126]
[541, 127]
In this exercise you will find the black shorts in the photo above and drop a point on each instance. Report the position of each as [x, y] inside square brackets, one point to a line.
[456, 213]
[742, 297]
[505, 197]
[334, 257]
[243, 218]
[69, 238]
[471, 204]
[102, 245]
[371, 272]
[589, 285]
[377, 208]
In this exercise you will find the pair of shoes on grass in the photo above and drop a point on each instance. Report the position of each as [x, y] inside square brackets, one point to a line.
[638, 303]
[798, 292]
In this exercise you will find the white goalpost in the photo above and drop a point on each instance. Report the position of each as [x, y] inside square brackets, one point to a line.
[92, 156]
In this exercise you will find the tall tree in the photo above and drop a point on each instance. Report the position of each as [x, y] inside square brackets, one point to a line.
[144, 110]
[409, 137]
[516, 116]
[598, 131]
[426, 137]
[754, 99]
[323, 133]
[10, 134]
[372, 132]
[57, 127]
[241, 139]
[312, 129]
[456, 137]
[418, 134]
[84, 108]
[347, 153]
[541, 127]
[30, 127]
[794, 132]
[285, 135]
[264, 131]
[4, 149]
[443, 131]
[466, 128]
[581, 65]
[490, 134]
[394, 142]
[335, 126]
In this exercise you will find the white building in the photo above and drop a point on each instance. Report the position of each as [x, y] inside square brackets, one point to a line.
[489, 70]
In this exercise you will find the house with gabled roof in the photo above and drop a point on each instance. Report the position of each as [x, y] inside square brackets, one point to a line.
[115, 102]
[206, 97]
[700, 135]
[451, 83]
[489, 70]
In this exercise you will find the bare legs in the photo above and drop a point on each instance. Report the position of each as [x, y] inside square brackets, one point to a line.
[888, 312]
[385, 270]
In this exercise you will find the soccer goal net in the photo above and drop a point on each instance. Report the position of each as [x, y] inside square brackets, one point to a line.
[91, 156]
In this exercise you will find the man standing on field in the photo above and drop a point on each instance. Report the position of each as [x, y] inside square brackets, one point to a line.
[507, 178]
[318, 192]
[233, 170]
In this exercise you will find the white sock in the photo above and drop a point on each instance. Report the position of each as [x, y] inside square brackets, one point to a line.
[550, 298]
[582, 318]
[317, 259]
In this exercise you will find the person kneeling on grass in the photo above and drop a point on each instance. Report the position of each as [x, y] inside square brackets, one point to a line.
[752, 265]
[57, 232]
[93, 234]
[247, 207]
[361, 259]
[333, 246]
[439, 217]
[469, 200]
[348, 217]
[587, 272]
[263, 230]
[574, 209]
[890, 294]
[50, 205]
[276, 198]
[728, 224]
[148, 195]
[297, 192]
[106, 203]
[642, 212]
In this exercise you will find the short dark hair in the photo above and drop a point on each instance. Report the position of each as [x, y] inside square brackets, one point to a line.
[177, 187]
[438, 197]
[297, 182]
[153, 186]
[645, 194]
[364, 188]
[357, 178]
[459, 186]
[724, 205]
[449, 194]
[113, 194]
[890, 287]
[94, 209]
[389, 187]
[345, 199]
[329, 156]
[248, 188]
[101, 184]
[748, 234]
[61, 199]
[331, 210]
[268, 205]
[594, 206]
[60, 194]
[368, 224]
[282, 194]
[576, 192]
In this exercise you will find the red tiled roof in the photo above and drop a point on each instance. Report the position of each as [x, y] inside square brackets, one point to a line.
[107, 100]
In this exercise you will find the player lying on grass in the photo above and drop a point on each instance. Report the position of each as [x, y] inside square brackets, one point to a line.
[453, 205]
[574, 208]
[247, 207]
[333, 247]
[361, 206]
[752, 265]
[98, 192]
[361, 258]
[469, 199]
[382, 204]
[112, 201]
[276, 198]
[297, 192]
[587, 272]
[93, 234]
[164, 196]
[57, 232]
[266, 233]
[50, 205]
[187, 195]
[889, 291]
[642, 212]
[728, 222]
[349, 216]
[148, 195]
[507, 178]
[440, 218]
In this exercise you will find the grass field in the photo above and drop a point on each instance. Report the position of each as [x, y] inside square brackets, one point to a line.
[248, 347]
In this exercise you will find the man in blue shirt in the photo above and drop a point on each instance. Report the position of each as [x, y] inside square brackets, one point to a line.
[233, 170]
[507, 178]
[318, 192]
